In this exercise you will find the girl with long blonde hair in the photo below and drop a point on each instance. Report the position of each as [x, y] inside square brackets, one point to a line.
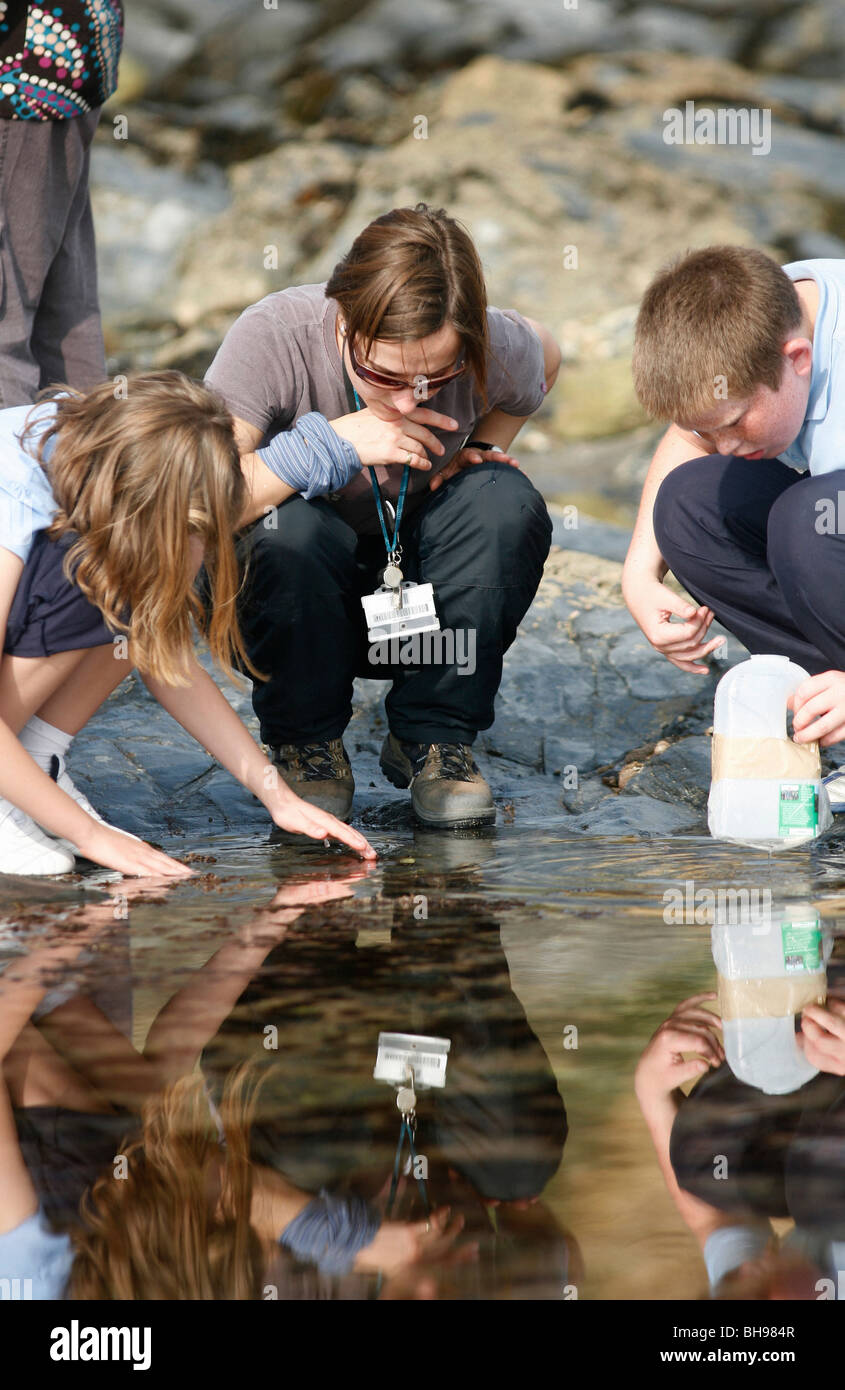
[110, 500]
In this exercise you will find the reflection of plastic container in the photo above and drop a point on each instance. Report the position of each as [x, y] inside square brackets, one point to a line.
[766, 790]
[768, 972]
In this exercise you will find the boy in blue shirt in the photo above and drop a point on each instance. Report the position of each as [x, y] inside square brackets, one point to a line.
[747, 360]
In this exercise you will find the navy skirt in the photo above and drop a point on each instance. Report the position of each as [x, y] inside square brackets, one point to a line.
[49, 613]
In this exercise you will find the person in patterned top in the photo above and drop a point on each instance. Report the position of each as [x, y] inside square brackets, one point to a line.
[58, 64]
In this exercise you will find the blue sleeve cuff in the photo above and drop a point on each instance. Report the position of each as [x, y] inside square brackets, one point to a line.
[311, 458]
[330, 1231]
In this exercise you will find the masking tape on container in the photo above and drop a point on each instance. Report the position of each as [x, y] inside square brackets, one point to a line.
[775, 759]
[771, 998]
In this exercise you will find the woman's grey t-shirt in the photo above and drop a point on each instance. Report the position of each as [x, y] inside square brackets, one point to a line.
[280, 360]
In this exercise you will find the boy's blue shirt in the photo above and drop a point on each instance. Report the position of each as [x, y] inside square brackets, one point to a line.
[820, 443]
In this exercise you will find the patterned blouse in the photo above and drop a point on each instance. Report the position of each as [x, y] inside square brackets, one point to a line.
[57, 60]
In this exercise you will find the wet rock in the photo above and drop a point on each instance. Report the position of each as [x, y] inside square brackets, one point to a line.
[662, 28]
[596, 398]
[634, 815]
[392, 34]
[647, 675]
[145, 216]
[282, 204]
[810, 159]
[595, 537]
[807, 39]
[679, 773]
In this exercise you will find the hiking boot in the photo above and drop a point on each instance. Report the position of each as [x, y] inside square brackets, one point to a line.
[24, 847]
[447, 788]
[318, 772]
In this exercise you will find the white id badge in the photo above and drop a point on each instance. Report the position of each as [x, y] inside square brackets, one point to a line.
[414, 613]
[401, 1053]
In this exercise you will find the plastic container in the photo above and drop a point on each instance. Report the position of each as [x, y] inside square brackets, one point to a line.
[768, 971]
[766, 790]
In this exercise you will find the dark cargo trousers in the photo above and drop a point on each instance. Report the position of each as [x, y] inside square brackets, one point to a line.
[764, 547]
[481, 540]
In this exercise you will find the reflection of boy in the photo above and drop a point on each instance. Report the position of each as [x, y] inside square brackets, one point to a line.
[733, 1158]
[747, 359]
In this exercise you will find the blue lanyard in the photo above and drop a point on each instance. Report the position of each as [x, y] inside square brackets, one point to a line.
[405, 1132]
[391, 546]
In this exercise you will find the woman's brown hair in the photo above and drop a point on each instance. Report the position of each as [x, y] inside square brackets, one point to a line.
[137, 471]
[156, 1231]
[409, 273]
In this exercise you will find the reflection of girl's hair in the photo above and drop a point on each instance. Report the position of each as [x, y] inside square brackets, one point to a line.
[177, 1226]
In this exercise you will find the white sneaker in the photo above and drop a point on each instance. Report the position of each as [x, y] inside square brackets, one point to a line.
[62, 778]
[24, 847]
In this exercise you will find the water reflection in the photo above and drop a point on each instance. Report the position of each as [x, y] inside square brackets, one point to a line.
[256, 993]
[190, 1177]
[757, 1171]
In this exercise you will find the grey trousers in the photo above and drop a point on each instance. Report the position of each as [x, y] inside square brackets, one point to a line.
[49, 311]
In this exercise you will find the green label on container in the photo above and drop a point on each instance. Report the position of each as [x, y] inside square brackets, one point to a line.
[798, 809]
[802, 945]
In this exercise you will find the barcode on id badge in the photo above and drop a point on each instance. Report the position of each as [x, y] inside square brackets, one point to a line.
[433, 1059]
[411, 610]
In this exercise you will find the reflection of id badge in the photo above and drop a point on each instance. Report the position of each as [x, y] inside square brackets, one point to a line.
[415, 611]
[401, 1054]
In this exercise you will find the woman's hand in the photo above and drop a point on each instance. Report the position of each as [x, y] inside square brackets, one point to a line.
[403, 439]
[116, 850]
[291, 813]
[690, 1028]
[818, 707]
[465, 458]
[399, 1244]
[822, 1036]
[653, 605]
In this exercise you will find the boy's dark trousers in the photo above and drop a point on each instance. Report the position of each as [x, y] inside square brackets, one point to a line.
[481, 540]
[764, 547]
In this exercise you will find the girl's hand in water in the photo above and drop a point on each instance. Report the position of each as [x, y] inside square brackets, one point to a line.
[116, 850]
[690, 1028]
[291, 813]
[822, 1036]
[818, 707]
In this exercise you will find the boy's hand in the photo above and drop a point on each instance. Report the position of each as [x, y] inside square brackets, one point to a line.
[690, 1028]
[822, 1036]
[818, 707]
[653, 604]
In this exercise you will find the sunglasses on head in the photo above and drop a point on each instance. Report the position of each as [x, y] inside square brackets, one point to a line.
[393, 383]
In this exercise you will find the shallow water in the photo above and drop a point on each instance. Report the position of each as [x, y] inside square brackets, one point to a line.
[547, 961]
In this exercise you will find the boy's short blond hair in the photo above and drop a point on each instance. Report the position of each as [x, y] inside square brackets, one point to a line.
[711, 327]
